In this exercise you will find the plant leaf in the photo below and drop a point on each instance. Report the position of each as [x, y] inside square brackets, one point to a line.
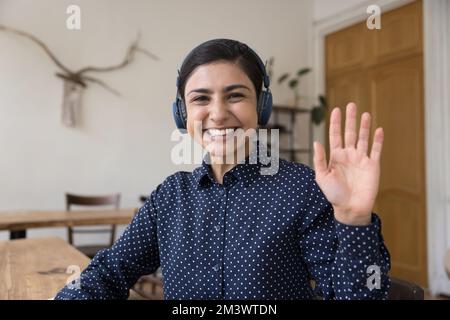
[303, 71]
[283, 77]
[293, 83]
[323, 101]
[317, 114]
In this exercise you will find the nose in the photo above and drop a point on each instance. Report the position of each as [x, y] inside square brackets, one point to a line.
[219, 111]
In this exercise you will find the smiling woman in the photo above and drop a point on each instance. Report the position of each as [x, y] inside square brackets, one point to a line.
[221, 111]
[220, 86]
[228, 231]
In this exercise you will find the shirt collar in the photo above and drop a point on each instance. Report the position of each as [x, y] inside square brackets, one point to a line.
[246, 171]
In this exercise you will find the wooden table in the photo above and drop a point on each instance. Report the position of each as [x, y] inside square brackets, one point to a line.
[18, 221]
[35, 269]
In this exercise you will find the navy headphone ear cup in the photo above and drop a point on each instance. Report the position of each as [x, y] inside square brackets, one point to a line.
[264, 107]
[179, 113]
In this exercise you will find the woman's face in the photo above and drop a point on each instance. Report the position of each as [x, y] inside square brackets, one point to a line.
[220, 98]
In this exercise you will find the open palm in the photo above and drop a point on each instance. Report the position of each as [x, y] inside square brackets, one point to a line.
[351, 178]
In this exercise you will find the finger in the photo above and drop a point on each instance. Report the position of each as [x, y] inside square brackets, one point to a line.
[377, 145]
[320, 163]
[364, 132]
[350, 126]
[335, 130]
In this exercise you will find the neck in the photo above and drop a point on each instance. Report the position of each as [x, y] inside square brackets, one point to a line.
[220, 166]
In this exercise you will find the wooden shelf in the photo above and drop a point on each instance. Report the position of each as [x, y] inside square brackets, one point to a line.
[296, 150]
[285, 119]
[288, 109]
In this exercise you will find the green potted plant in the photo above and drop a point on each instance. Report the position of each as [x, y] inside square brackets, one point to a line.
[294, 82]
[318, 112]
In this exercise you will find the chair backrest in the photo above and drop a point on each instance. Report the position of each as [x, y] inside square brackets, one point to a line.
[73, 199]
[404, 290]
[92, 201]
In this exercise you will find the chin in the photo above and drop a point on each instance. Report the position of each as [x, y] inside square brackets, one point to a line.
[218, 150]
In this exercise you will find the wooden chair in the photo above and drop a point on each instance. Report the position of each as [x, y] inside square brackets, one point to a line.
[150, 287]
[404, 290]
[95, 201]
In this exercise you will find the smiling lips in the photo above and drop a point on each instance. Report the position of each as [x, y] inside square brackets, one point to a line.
[219, 134]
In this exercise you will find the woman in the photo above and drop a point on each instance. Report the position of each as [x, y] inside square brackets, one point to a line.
[226, 231]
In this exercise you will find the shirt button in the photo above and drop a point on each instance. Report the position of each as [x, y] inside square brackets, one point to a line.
[216, 267]
[217, 228]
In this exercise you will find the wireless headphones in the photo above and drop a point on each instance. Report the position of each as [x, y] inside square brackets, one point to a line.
[264, 105]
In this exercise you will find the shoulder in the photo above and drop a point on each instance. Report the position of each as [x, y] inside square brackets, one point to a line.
[297, 173]
[298, 178]
[173, 185]
[303, 178]
[177, 179]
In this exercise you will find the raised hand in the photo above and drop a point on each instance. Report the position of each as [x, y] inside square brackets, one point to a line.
[351, 178]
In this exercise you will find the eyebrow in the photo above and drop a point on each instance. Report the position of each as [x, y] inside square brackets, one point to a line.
[226, 89]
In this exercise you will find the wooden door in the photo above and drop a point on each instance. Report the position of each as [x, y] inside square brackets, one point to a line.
[382, 71]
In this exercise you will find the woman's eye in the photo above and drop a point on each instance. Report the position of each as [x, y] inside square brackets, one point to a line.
[200, 99]
[236, 96]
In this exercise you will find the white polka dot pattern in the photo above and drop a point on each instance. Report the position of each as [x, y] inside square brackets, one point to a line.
[253, 237]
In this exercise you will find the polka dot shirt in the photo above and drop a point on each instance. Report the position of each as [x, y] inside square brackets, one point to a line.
[253, 237]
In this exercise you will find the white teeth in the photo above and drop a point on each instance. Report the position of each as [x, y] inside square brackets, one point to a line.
[220, 132]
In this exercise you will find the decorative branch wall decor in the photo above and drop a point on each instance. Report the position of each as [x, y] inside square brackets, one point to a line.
[76, 81]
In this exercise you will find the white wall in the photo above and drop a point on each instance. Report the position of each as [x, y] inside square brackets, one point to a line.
[437, 135]
[326, 8]
[123, 144]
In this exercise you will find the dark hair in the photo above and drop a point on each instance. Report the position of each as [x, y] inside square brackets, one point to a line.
[222, 49]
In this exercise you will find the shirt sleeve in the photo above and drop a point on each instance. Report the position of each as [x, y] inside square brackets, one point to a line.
[346, 262]
[112, 272]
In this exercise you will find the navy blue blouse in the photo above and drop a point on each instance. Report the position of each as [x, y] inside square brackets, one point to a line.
[253, 237]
